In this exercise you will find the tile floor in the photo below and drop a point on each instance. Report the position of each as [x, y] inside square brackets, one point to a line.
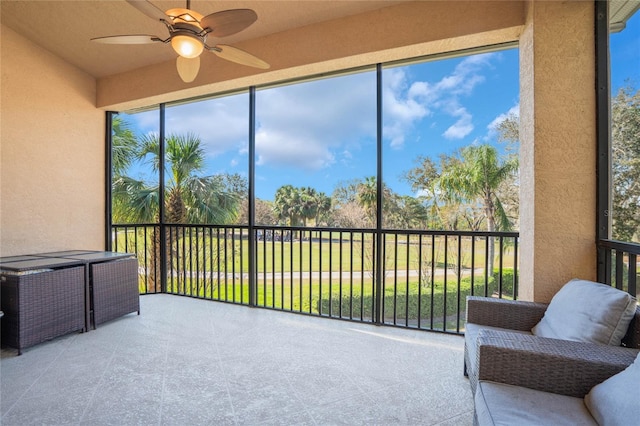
[191, 362]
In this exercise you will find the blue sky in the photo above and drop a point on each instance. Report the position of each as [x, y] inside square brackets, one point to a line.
[322, 133]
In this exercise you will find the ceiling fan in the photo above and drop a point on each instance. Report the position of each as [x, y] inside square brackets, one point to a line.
[188, 33]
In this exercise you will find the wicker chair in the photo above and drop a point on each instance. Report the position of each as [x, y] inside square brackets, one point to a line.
[505, 350]
[612, 402]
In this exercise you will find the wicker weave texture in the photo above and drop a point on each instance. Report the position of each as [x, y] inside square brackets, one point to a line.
[115, 289]
[42, 306]
[550, 365]
[510, 314]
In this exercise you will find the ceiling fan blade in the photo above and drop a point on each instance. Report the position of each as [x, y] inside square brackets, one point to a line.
[188, 68]
[228, 22]
[239, 56]
[149, 9]
[127, 39]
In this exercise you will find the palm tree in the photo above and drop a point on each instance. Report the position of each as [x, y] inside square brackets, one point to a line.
[287, 205]
[308, 206]
[323, 207]
[190, 197]
[476, 179]
[124, 145]
[367, 197]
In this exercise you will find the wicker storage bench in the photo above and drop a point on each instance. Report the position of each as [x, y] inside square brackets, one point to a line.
[112, 283]
[41, 306]
[114, 289]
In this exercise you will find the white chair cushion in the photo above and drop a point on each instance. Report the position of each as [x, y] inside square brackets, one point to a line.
[508, 405]
[615, 401]
[586, 311]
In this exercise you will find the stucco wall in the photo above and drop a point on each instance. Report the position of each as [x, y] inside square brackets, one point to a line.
[51, 153]
[558, 147]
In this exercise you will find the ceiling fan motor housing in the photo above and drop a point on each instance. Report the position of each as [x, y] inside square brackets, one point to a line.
[188, 33]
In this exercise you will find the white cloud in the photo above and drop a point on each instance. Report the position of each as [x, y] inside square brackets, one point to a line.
[405, 105]
[402, 110]
[513, 111]
[221, 123]
[316, 124]
[492, 128]
[306, 126]
[281, 149]
[462, 127]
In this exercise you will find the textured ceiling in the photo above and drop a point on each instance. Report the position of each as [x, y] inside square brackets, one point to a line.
[66, 27]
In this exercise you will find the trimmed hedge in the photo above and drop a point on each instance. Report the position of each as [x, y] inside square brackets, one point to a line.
[418, 300]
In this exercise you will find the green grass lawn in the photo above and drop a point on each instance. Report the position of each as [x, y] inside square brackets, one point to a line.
[349, 298]
[329, 276]
[328, 254]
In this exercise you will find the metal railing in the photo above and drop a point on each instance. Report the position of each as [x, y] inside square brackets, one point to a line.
[422, 279]
[618, 265]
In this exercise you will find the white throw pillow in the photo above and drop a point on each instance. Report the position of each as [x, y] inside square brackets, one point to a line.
[615, 401]
[586, 311]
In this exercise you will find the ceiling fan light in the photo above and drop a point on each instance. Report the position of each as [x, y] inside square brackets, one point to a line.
[186, 16]
[188, 68]
[187, 46]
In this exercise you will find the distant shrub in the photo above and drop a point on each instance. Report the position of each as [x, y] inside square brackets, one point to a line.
[419, 302]
[508, 282]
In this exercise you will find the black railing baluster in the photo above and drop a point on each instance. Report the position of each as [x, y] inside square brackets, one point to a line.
[395, 279]
[211, 256]
[264, 270]
[310, 270]
[486, 266]
[291, 286]
[619, 269]
[301, 235]
[146, 261]
[126, 239]
[515, 268]
[473, 265]
[204, 259]
[407, 280]
[500, 284]
[273, 271]
[340, 279]
[362, 271]
[233, 264]
[218, 269]
[184, 259]
[632, 275]
[193, 248]
[330, 273]
[320, 272]
[351, 279]
[459, 281]
[225, 263]
[433, 278]
[419, 304]
[282, 286]
[609, 249]
[446, 276]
